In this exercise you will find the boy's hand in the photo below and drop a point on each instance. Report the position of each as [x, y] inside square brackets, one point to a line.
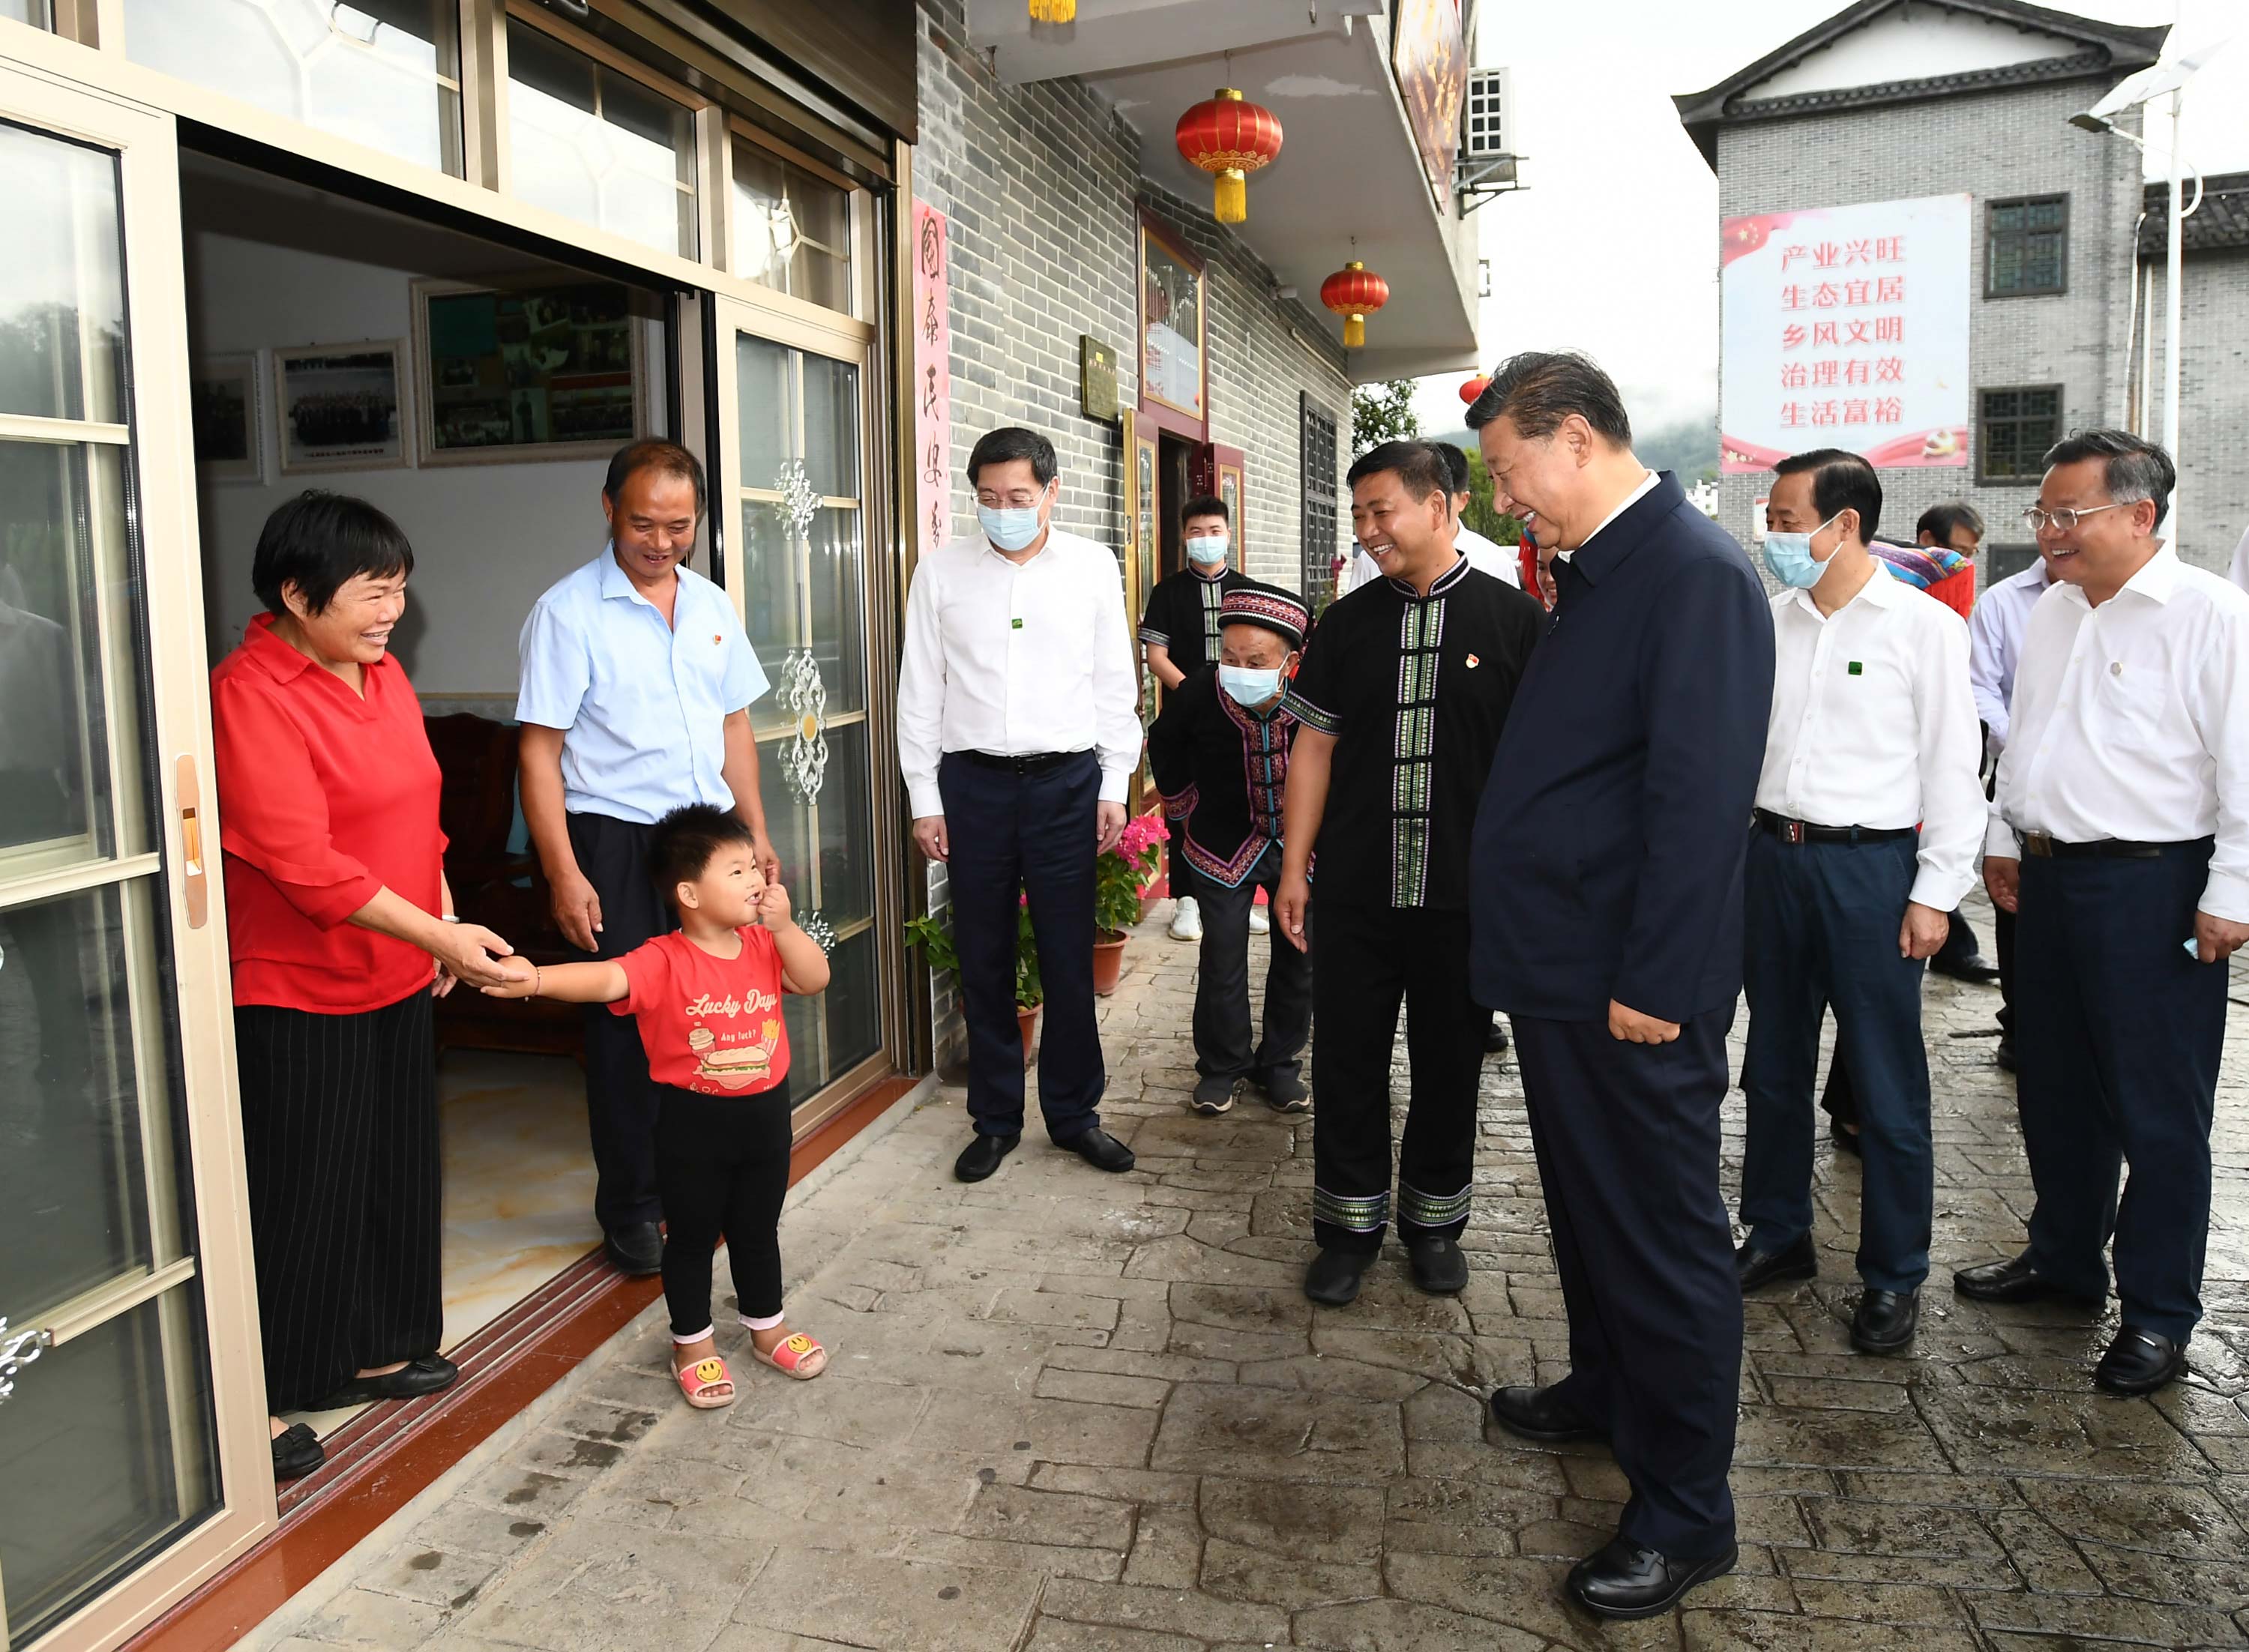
[773, 908]
[517, 980]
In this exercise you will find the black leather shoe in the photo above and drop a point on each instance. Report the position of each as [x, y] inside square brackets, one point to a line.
[1438, 1267]
[2017, 1279]
[1541, 1414]
[1334, 1277]
[1756, 1269]
[2139, 1361]
[1886, 1322]
[2005, 1055]
[1214, 1096]
[1495, 1042]
[637, 1247]
[1975, 967]
[982, 1155]
[1284, 1092]
[297, 1452]
[1844, 1140]
[1100, 1149]
[411, 1382]
[1628, 1580]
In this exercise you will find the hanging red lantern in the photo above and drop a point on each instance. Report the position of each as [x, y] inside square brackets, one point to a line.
[1229, 138]
[1354, 292]
[1471, 388]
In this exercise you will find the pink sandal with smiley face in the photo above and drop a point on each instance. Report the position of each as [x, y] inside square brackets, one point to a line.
[707, 1384]
[798, 1356]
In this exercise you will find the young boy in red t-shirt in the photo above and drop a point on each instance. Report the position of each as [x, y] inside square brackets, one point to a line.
[707, 999]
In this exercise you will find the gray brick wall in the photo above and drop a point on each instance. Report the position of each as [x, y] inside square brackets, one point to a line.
[2213, 403]
[1992, 145]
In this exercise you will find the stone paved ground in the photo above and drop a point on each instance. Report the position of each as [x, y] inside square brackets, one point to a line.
[1070, 1412]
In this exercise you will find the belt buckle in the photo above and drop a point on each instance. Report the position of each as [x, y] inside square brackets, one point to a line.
[1792, 831]
[2039, 844]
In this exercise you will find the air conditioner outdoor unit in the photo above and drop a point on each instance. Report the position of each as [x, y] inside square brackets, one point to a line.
[1490, 143]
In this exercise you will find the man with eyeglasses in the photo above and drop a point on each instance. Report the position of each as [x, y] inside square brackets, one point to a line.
[2120, 838]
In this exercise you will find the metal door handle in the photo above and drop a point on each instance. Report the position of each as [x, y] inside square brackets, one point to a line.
[16, 1352]
[194, 883]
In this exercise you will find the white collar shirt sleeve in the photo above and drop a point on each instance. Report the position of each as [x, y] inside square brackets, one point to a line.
[1873, 725]
[1485, 557]
[1995, 642]
[2131, 721]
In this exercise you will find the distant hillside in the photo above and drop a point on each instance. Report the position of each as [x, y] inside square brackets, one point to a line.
[1689, 446]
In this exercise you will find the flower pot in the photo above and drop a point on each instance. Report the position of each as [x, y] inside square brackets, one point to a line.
[1027, 1021]
[1108, 964]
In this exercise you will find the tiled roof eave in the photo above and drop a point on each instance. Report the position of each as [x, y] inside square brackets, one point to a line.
[2077, 66]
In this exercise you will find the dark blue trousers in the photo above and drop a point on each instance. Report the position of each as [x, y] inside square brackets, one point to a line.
[1823, 930]
[2118, 1036]
[1012, 835]
[1627, 1137]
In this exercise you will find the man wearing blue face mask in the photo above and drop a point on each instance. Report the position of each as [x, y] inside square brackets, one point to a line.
[1019, 730]
[1220, 751]
[1180, 634]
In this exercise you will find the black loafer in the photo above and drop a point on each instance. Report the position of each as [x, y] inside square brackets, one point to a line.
[1756, 1269]
[1845, 1140]
[1100, 1149]
[2140, 1361]
[1541, 1414]
[1626, 1579]
[1334, 1277]
[1886, 1322]
[2005, 1055]
[1974, 968]
[1214, 1096]
[297, 1452]
[2016, 1279]
[1285, 1091]
[1438, 1267]
[635, 1248]
[982, 1155]
[427, 1375]
[1495, 1042]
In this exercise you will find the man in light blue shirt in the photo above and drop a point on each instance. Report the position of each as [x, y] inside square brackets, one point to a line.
[636, 684]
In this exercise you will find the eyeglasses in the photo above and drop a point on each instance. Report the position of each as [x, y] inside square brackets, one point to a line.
[2067, 521]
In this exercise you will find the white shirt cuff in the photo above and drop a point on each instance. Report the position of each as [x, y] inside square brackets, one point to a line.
[1939, 890]
[923, 797]
[2001, 842]
[1116, 785]
[2225, 895]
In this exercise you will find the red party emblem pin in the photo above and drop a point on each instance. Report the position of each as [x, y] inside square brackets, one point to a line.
[1473, 662]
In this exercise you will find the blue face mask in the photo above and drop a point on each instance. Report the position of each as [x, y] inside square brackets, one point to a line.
[1248, 685]
[1011, 529]
[1789, 556]
[1207, 550]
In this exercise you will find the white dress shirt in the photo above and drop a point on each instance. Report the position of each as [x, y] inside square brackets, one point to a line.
[1995, 643]
[1485, 556]
[1873, 725]
[1016, 661]
[2131, 720]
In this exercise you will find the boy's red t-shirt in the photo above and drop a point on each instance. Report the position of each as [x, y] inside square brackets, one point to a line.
[712, 1026]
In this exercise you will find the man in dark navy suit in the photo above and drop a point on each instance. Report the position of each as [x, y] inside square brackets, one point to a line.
[1606, 913]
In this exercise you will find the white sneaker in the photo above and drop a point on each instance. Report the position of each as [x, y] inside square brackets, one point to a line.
[1259, 923]
[1187, 920]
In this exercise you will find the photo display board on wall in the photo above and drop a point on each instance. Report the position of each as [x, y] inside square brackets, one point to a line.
[528, 373]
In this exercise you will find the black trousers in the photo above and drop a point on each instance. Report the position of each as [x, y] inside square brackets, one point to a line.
[1221, 1006]
[620, 1105]
[1013, 835]
[1841, 1101]
[1368, 960]
[339, 1141]
[2121, 1032]
[1627, 1137]
[722, 1167]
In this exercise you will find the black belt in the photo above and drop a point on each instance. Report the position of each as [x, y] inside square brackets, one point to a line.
[2043, 848]
[1027, 763]
[1804, 831]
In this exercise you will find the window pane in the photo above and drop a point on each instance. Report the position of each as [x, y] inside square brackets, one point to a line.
[791, 229]
[2000, 404]
[2044, 403]
[1999, 449]
[598, 147]
[382, 72]
[2045, 214]
[831, 427]
[62, 295]
[32, 11]
[2007, 220]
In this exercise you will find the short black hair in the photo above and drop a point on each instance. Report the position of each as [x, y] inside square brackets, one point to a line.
[1207, 504]
[1539, 389]
[1840, 481]
[1456, 466]
[1009, 443]
[682, 844]
[2132, 468]
[320, 542]
[1416, 465]
[1939, 520]
[652, 453]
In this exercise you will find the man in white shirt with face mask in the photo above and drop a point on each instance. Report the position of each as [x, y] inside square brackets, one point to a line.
[1019, 731]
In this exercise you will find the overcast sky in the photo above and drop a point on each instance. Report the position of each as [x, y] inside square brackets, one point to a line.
[1613, 247]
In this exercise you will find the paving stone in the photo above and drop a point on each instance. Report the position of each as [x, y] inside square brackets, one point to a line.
[1279, 1435]
[861, 1601]
[449, 1578]
[1171, 1611]
[603, 1583]
[1051, 1430]
[371, 1617]
[1023, 1514]
[1332, 1523]
[1407, 1626]
[1166, 1550]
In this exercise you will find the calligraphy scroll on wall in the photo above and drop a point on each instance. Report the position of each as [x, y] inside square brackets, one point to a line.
[932, 398]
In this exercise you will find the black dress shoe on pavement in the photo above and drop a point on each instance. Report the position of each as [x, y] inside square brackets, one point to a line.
[982, 1155]
[1886, 1322]
[1100, 1149]
[1628, 1580]
[2005, 1055]
[1438, 1267]
[411, 1382]
[1334, 1277]
[2016, 1279]
[1974, 968]
[637, 1247]
[2139, 1361]
[1214, 1096]
[1495, 1042]
[297, 1452]
[1541, 1414]
[1845, 1140]
[1756, 1269]
[1284, 1092]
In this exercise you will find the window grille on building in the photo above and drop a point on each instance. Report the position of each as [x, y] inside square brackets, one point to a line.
[2026, 246]
[2014, 428]
[2006, 561]
[1318, 454]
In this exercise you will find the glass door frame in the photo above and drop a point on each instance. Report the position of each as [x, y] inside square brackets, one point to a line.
[145, 142]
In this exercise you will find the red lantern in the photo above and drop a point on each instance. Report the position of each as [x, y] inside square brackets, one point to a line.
[1471, 388]
[1354, 292]
[1230, 139]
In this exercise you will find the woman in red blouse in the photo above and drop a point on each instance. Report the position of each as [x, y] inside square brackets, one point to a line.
[342, 930]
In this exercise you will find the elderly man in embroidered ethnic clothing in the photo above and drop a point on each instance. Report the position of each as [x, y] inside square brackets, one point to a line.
[1401, 696]
[1220, 751]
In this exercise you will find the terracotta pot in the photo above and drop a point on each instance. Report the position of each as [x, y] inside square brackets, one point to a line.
[1108, 964]
[1027, 1021]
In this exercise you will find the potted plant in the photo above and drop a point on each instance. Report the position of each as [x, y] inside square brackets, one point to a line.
[1118, 875]
[930, 934]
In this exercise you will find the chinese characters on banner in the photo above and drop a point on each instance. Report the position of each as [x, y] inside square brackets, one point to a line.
[932, 379]
[1846, 328]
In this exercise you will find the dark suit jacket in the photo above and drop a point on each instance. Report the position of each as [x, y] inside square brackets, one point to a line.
[1608, 847]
